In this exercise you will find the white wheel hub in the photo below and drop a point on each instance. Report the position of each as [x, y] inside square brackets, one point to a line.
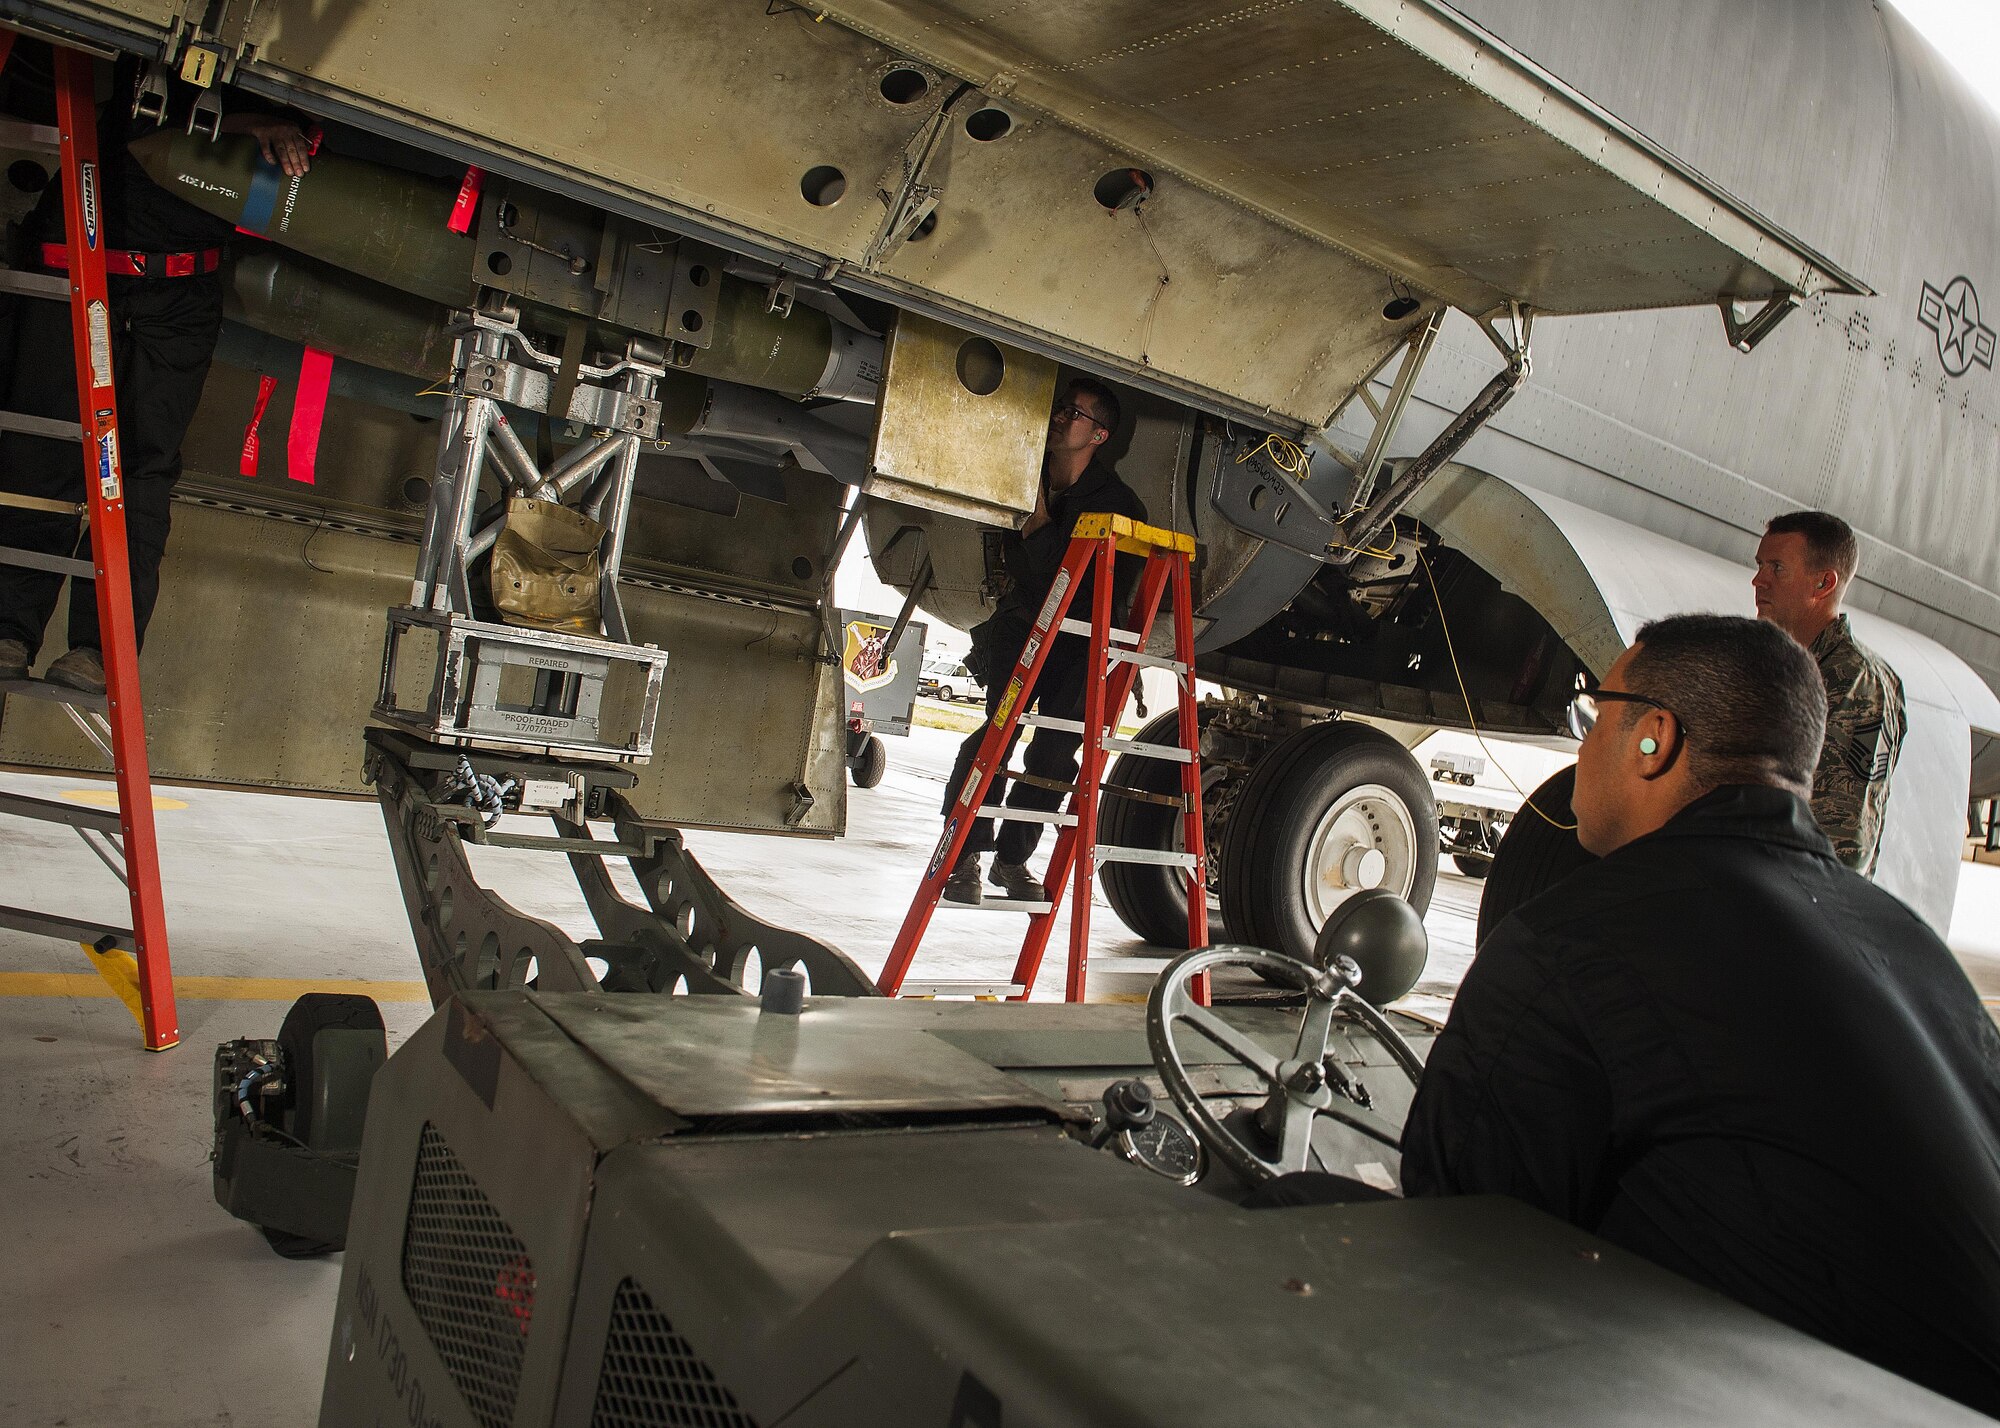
[1365, 839]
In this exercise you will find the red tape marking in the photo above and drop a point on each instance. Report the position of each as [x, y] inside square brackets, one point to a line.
[467, 202]
[265, 386]
[308, 411]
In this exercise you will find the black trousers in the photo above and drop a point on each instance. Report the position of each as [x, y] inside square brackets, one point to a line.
[1059, 693]
[164, 332]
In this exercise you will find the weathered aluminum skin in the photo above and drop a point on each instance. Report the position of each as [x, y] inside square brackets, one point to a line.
[1840, 122]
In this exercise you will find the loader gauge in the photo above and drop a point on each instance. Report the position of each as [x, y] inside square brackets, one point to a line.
[1164, 1146]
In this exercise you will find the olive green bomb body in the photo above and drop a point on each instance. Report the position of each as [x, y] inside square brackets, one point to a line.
[391, 226]
[310, 303]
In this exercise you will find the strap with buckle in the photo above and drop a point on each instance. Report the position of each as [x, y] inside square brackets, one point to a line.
[140, 265]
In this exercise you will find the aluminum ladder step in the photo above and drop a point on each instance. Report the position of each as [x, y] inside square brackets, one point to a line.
[1148, 661]
[1118, 637]
[47, 427]
[962, 988]
[1172, 753]
[67, 929]
[996, 904]
[1162, 857]
[1031, 815]
[54, 693]
[26, 284]
[76, 815]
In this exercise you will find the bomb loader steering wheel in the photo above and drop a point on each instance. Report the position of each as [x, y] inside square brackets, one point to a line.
[1301, 1086]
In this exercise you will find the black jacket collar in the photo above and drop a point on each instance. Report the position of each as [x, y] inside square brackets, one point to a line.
[1096, 476]
[1747, 810]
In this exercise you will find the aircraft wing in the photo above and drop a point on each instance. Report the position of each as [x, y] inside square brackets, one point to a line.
[1313, 164]
[1395, 130]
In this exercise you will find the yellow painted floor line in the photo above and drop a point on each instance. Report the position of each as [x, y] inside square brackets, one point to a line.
[210, 989]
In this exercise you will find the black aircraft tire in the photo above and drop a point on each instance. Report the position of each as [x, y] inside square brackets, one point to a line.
[1472, 867]
[1284, 800]
[872, 763]
[1535, 855]
[1148, 898]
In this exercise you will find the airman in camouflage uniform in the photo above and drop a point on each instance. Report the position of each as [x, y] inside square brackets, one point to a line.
[1864, 733]
[1804, 565]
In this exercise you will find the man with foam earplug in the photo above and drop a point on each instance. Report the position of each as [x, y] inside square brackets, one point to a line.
[1722, 1049]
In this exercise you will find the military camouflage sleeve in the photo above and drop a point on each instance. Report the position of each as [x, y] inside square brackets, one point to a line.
[1864, 733]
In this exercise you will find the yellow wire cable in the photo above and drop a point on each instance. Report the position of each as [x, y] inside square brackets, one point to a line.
[1452, 650]
[1288, 456]
[1364, 550]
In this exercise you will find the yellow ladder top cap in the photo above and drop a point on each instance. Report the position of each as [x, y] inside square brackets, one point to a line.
[1134, 537]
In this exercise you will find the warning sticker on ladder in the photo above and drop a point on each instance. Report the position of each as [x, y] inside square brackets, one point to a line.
[99, 322]
[107, 455]
[1006, 704]
[1056, 589]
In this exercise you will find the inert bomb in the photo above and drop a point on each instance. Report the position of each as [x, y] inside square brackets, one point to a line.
[390, 225]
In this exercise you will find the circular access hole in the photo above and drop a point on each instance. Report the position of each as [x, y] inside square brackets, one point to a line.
[499, 264]
[905, 86]
[698, 276]
[27, 176]
[981, 368]
[986, 125]
[1122, 188]
[1398, 308]
[1258, 495]
[416, 491]
[924, 229]
[690, 321]
[802, 568]
[823, 185]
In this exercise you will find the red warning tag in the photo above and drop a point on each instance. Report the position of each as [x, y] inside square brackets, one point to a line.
[467, 202]
[265, 386]
[308, 411]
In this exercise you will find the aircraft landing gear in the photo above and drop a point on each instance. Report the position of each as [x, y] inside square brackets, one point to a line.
[1333, 810]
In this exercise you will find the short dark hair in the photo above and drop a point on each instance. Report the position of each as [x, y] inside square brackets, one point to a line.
[1106, 399]
[1751, 699]
[1829, 540]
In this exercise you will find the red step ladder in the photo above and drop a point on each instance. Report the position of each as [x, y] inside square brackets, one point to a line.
[123, 724]
[1115, 657]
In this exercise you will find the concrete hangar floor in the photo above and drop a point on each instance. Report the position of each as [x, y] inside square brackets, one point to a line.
[131, 1299]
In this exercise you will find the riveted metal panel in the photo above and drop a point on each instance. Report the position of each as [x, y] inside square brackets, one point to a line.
[962, 423]
[1393, 129]
[259, 669]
